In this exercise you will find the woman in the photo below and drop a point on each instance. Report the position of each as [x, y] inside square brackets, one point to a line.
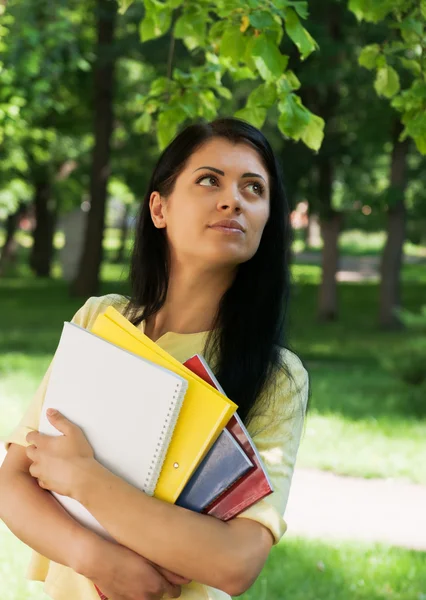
[209, 275]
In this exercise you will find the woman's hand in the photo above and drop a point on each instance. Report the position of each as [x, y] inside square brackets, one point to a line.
[121, 574]
[58, 459]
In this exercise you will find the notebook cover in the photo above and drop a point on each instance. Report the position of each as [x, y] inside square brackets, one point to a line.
[203, 416]
[253, 486]
[126, 406]
[224, 464]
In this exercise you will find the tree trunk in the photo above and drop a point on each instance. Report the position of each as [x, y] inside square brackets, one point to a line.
[391, 263]
[87, 280]
[123, 235]
[313, 231]
[8, 252]
[331, 223]
[328, 298]
[45, 214]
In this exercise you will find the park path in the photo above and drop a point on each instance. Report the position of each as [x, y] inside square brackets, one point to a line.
[355, 268]
[323, 505]
[327, 506]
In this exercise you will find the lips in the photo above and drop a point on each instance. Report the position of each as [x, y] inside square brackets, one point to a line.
[231, 224]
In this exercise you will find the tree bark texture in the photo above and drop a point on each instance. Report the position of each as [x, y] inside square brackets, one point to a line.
[42, 252]
[8, 251]
[331, 224]
[392, 257]
[87, 281]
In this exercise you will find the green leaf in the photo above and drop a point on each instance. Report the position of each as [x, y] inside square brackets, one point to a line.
[265, 95]
[233, 45]
[224, 92]
[124, 5]
[143, 123]
[294, 116]
[371, 11]
[299, 6]
[189, 104]
[157, 21]
[368, 56]
[243, 73]
[268, 59]
[313, 134]
[387, 82]
[147, 28]
[261, 19]
[191, 29]
[288, 82]
[254, 115]
[167, 125]
[304, 41]
[423, 8]
[411, 65]
[209, 105]
[159, 86]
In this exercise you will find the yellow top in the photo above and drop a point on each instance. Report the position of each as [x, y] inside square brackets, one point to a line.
[277, 437]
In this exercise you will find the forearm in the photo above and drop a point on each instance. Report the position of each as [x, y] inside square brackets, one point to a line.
[196, 546]
[37, 519]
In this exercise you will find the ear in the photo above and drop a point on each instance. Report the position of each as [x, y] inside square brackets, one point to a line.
[157, 208]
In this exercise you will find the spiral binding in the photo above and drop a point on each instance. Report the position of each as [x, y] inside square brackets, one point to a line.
[167, 430]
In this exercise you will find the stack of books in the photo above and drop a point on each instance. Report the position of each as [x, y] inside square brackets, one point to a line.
[165, 427]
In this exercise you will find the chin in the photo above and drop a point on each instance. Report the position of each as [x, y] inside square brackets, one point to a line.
[229, 259]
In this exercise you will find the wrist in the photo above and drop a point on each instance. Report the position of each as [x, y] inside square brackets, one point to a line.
[87, 552]
[83, 474]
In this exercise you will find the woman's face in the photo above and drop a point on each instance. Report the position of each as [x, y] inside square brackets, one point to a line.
[221, 181]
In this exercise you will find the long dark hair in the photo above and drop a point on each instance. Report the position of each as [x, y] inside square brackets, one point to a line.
[249, 327]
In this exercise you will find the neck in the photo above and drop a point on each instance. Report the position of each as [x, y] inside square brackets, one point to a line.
[192, 301]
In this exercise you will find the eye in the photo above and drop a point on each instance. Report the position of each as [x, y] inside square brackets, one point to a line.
[256, 187]
[207, 180]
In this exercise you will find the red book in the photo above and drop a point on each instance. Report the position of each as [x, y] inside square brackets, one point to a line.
[253, 486]
[100, 594]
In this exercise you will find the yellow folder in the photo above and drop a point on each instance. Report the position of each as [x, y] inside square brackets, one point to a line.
[203, 415]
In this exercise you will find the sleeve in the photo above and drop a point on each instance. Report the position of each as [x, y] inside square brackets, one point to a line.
[278, 444]
[31, 418]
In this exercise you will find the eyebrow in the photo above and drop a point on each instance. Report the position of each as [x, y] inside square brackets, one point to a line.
[219, 172]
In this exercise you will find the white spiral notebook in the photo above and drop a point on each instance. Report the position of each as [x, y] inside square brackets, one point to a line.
[126, 406]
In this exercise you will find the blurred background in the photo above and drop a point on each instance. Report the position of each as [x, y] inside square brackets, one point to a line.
[91, 92]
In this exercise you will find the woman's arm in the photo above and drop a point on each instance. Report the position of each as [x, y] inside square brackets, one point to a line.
[35, 517]
[38, 520]
[228, 556]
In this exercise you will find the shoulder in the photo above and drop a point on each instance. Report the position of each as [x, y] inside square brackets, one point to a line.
[96, 305]
[297, 371]
[285, 398]
[292, 381]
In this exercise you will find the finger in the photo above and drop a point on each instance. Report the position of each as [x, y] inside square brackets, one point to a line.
[30, 451]
[172, 591]
[33, 469]
[60, 422]
[173, 578]
[32, 437]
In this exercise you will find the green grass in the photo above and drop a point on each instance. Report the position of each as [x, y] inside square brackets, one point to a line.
[298, 569]
[356, 242]
[14, 559]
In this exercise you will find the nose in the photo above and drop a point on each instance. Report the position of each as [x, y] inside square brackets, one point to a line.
[230, 200]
